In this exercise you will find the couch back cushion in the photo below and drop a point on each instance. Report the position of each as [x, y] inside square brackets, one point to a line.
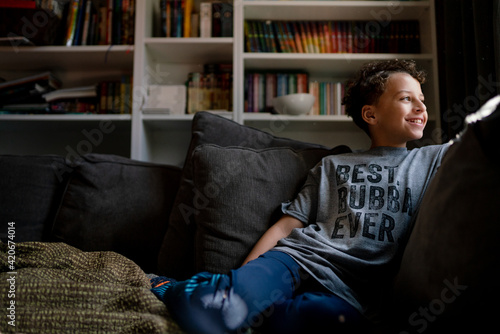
[30, 191]
[181, 256]
[450, 266]
[117, 204]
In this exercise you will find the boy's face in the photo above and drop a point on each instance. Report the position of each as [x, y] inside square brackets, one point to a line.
[399, 115]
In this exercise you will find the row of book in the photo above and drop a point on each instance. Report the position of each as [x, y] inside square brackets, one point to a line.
[328, 98]
[42, 94]
[68, 22]
[100, 22]
[180, 18]
[210, 90]
[30, 22]
[262, 87]
[332, 36]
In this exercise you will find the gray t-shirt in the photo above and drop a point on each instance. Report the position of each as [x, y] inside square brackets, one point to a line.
[358, 210]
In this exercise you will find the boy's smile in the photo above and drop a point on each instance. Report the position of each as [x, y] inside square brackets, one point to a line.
[399, 115]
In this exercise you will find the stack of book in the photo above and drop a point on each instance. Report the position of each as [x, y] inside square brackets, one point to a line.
[332, 36]
[26, 94]
[180, 18]
[262, 87]
[41, 94]
[210, 90]
[100, 22]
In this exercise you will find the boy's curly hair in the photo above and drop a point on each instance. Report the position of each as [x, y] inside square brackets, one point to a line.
[370, 82]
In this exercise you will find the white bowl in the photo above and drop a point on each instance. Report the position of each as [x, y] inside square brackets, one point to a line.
[293, 104]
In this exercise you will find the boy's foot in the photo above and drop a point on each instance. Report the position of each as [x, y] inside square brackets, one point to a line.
[160, 285]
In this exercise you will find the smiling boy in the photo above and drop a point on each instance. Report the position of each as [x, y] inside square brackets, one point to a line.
[327, 264]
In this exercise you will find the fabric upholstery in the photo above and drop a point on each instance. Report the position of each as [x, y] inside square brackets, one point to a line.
[449, 269]
[176, 258]
[114, 203]
[31, 189]
[241, 191]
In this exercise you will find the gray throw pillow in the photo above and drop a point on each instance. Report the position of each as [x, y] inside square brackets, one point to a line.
[177, 256]
[241, 191]
[117, 204]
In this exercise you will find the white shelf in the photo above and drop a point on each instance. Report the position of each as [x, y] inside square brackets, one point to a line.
[190, 50]
[168, 61]
[335, 10]
[65, 117]
[248, 116]
[64, 58]
[317, 64]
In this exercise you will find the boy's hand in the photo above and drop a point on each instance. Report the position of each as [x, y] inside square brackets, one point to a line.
[281, 229]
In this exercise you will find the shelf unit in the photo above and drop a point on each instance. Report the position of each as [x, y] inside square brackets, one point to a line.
[60, 134]
[159, 60]
[333, 130]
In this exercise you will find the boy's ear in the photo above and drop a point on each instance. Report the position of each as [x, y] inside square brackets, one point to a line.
[368, 114]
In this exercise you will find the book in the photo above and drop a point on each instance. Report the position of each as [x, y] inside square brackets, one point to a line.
[188, 10]
[71, 93]
[71, 22]
[28, 89]
[205, 19]
[222, 19]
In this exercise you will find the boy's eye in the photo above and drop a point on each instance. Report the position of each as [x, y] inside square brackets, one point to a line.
[406, 98]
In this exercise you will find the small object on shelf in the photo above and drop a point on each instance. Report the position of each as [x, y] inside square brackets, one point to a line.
[166, 99]
[294, 104]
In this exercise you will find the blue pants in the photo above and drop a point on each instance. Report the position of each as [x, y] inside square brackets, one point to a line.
[271, 293]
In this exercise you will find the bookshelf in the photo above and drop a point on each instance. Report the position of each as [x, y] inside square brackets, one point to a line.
[334, 129]
[155, 59]
[75, 66]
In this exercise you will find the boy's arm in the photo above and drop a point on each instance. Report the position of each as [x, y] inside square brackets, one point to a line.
[281, 229]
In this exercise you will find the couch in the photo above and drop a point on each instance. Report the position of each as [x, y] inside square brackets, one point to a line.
[81, 234]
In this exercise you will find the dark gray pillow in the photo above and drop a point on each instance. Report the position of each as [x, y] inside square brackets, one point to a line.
[242, 190]
[117, 204]
[449, 272]
[30, 191]
[176, 257]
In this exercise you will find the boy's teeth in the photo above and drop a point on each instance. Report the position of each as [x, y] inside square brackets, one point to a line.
[418, 121]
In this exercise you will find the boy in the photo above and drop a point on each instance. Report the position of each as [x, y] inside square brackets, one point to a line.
[326, 265]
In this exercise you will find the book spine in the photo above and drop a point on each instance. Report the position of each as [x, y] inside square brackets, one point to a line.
[71, 22]
[205, 19]
[297, 37]
[168, 18]
[216, 19]
[109, 22]
[86, 24]
[290, 38]
[188, 9]
[227, 20]
[261, 41]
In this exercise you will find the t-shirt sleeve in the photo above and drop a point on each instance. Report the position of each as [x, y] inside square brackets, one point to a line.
[304, 206]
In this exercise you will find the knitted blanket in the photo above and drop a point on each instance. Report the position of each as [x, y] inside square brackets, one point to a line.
[56, 288]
